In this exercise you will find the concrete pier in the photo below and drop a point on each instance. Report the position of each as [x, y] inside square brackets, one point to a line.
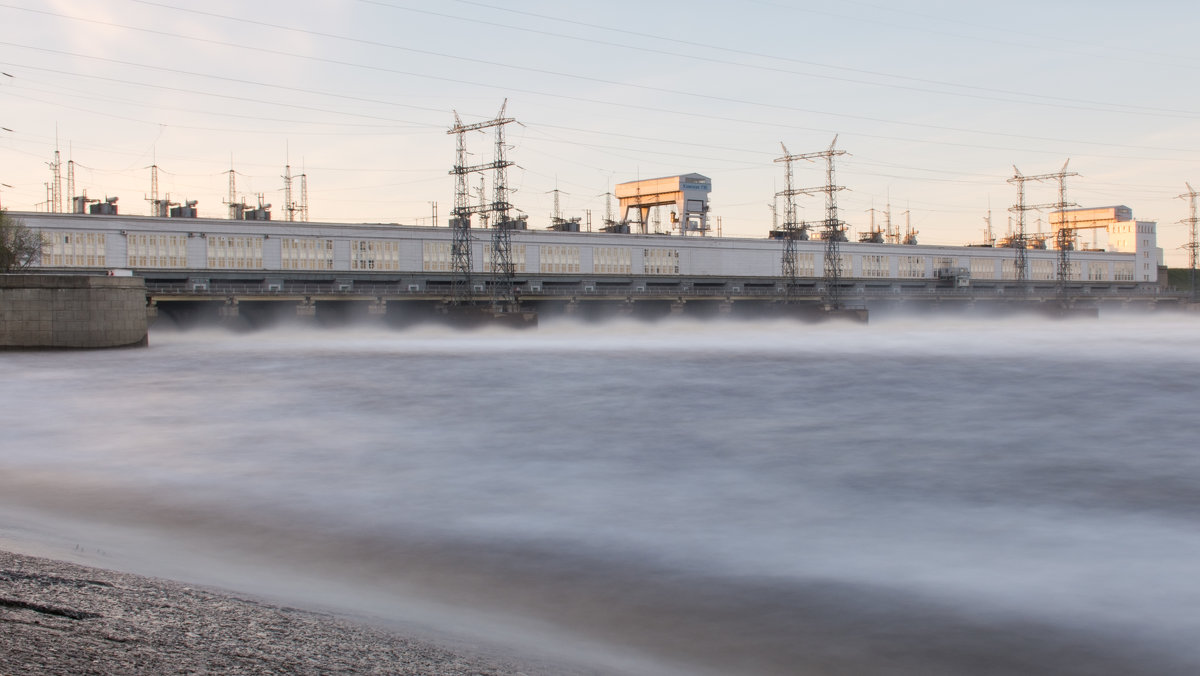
[71, 312]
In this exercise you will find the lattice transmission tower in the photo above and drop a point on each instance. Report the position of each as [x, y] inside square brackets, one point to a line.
[503, 271]
[792, 230]
[497, 211]
[832, 230]
[1065, 238]
[1192, 246]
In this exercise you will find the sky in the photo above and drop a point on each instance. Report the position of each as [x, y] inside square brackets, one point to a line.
[936, 103]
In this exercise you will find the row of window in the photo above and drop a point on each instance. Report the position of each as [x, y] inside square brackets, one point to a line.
[87, 249]
[806, 265]
[660, 261]
[367, 254]
[306, 254]
[516, 258]
[235, 253]
[156, 251]
[912, 267]
[612, 260]
[74, 249]
[558, 259]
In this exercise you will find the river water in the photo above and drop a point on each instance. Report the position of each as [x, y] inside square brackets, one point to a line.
[924, 496]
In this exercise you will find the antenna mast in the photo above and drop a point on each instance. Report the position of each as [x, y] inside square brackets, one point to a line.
[159, 208]
[55, 197]
[288, 205]
[71, 186]
[236, 207]
[304, 197]
[556, 216]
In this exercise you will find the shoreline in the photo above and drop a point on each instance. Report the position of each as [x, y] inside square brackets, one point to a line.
[59, 617]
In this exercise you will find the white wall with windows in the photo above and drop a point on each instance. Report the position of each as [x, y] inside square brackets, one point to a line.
[611, 260]
[306, 253]
[83, 241]
[374, 254]
[876, 265]
[516, 252]
[911, 267]
[985, 268]
[236, 253]
[660, 261]
[435, 257]
[1042, 269]
[558, 259]
[846, 264]
[1097, 271]
[74, 249]
[155, 250]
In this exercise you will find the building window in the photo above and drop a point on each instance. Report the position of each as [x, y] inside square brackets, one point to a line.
[373, 254]
[234, 252]
[516, 254]
[1042, 269]
[558, 259]
[846, 264]
[307, 254]
[875, 265]
[1009, 268]
[912, 267]
[1123, 272]
[435, 257]
[660, 261]
[806, 265]
[1097, 272]
[73, 250]
[983, 268]
[156, 251]
[609, 260]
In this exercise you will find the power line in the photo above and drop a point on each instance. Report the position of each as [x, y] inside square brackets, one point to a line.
[527, 69]
[561, 96]
[663, 38]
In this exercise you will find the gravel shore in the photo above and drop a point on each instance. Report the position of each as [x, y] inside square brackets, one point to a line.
[62, 618]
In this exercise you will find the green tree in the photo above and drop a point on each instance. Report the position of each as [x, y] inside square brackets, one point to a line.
[20, 247]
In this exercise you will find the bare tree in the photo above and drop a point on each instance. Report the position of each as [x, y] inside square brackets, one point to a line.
[20, 247]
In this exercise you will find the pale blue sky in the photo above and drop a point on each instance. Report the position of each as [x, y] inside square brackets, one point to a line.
[934, 101]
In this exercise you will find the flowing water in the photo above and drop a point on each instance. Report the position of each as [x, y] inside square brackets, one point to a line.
[924, 496]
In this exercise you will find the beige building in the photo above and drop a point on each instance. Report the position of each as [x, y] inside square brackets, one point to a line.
[1121, 232]
[686, 195]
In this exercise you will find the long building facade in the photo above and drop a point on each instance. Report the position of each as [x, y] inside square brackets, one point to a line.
[149, 245]
[255, 269]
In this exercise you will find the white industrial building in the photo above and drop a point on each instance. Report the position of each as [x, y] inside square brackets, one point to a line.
[147, 244]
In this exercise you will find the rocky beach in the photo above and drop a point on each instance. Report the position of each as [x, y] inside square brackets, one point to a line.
[62, 618]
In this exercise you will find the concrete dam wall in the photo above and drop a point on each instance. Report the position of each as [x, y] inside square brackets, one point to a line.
[71, 312]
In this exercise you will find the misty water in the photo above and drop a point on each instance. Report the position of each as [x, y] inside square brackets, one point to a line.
[917, 495]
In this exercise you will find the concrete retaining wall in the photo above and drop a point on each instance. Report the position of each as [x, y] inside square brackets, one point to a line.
[71, 311]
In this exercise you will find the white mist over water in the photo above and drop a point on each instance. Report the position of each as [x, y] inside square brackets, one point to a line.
[761, 497]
